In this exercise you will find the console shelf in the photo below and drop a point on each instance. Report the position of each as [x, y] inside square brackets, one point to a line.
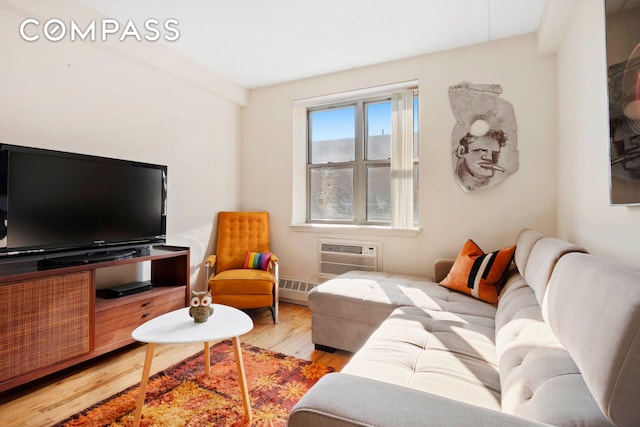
[51, 319]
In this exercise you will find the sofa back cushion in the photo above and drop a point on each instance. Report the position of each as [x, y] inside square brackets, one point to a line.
[525, 241]
[523, 293]
[539, 379]
[593, 307]
[542, 259]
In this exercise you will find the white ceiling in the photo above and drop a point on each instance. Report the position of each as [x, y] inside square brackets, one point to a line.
[262, 42]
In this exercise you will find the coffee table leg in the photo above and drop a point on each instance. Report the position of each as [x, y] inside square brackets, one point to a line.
[207, 358]
[143, 384]
[242, 378]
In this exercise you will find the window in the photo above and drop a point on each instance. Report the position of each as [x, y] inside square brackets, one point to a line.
[362, 161]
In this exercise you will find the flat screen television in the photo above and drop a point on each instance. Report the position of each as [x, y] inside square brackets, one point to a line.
[55, 203]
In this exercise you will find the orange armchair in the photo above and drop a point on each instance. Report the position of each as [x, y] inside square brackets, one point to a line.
[229, 282]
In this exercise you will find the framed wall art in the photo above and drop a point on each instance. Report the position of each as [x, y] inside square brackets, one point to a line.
[623, 72]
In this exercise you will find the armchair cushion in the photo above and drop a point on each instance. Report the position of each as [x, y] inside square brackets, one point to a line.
[231, 282]
[242, 288]
[257, 260]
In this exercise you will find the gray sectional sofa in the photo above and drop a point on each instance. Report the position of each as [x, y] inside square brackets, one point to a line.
[562, 347]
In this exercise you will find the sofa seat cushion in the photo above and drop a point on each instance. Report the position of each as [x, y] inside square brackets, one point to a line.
[374, 295]
[539, 379]
[428, 350]
[518, 307]
[363, 300]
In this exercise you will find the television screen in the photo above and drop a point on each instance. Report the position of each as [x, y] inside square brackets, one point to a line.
[53, 200]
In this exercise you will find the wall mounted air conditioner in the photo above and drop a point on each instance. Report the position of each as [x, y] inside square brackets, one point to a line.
[339, 256]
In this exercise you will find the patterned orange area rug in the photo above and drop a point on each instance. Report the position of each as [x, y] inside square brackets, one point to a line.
[184, 396]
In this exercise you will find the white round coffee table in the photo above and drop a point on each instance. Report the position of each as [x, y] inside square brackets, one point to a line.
[177, 327]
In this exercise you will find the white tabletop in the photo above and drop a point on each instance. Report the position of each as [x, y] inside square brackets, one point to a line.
[177, 327]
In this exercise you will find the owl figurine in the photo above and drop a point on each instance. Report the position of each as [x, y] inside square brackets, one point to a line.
[200, 306]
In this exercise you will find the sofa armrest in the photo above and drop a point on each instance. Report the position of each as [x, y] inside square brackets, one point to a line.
[346, 400]
[441, 268]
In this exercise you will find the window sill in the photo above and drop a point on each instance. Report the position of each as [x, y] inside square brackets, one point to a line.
[373, 230]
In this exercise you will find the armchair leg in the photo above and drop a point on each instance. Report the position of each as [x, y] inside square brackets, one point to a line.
[274, 312]
[276, 295]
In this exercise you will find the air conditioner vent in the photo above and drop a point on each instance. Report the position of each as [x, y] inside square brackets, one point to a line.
[345, 249]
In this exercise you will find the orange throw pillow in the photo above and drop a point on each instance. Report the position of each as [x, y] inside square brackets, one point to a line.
[479, 274]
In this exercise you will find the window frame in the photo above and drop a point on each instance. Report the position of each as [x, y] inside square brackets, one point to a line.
[360, 164]
[298, 171]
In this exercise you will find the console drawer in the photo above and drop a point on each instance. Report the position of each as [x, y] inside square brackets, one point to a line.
[117, 318]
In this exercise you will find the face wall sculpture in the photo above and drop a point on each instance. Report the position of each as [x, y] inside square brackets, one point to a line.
[484, 141]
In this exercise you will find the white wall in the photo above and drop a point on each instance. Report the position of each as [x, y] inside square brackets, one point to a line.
[448, 216]
[105, 100]
[584, 214]
[102, 99]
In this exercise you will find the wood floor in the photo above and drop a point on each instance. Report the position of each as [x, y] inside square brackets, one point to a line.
[54, 398]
